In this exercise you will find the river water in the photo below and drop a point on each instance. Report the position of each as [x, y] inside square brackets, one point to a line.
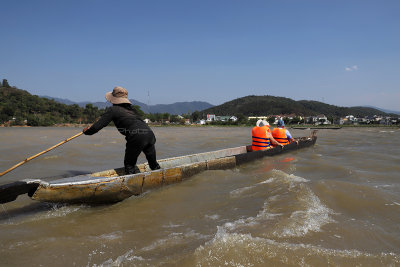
[336, 204]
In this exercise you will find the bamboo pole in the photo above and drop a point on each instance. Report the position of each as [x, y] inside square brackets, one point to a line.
[41, 153]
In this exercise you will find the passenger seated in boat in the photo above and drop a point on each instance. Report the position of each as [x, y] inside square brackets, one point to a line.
[281, 134]
[139, 137]
[262, 137]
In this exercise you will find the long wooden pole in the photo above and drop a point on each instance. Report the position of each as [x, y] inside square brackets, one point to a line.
[41, 153]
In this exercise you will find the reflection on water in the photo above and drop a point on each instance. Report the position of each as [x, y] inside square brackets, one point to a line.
[336, 203]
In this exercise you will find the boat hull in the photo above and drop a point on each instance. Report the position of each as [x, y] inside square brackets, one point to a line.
[112, 186]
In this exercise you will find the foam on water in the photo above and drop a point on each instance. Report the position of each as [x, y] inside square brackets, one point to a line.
[171, 225]
[270, 180]
[312, 218]
[393, 204]
[111, 236]
[287, 178]
[212, 217]
[127, 257]
[238, 192]
[308, 215]
[173, 239]
[281, 175]
[234, 249]
[31, 243]
[59, 211]
[136, 257]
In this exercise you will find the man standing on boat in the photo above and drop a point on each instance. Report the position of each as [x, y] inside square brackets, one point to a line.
[261, 136]
[139, 137]
[281, 134]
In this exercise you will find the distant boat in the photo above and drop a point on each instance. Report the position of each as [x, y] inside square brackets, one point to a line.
[113, 185]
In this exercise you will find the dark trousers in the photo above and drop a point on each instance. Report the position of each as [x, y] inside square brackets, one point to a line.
[134, 146]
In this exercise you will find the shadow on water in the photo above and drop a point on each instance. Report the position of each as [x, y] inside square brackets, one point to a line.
[33, 209]
[30, 209]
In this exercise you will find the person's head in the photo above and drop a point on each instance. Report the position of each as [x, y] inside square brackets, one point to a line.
[281, 123]
[261, 123]
[118, 96]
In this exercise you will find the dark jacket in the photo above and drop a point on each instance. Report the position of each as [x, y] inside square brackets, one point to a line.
[127, 121]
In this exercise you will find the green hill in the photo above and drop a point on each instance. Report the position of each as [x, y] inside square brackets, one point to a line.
[19, 107]
[271, 105]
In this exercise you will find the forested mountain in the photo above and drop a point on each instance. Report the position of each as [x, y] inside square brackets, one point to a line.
[174, 108]
[271, 105]
[179, 107]
[20, 107]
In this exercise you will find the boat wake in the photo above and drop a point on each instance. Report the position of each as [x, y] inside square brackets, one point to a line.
[235, 249]
[275, 236]
[284, 228]
[143, 256]
[291, 209]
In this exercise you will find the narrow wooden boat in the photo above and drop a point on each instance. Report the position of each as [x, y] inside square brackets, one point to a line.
[113, 185]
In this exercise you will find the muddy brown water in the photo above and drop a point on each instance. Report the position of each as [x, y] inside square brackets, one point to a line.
[337, 203]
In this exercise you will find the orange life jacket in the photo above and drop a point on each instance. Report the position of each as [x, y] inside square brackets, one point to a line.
[260, 140]
[280, 136]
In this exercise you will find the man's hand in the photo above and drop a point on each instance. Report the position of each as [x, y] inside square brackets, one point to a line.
[294, 140]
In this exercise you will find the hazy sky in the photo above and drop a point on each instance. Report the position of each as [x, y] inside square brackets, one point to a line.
[344, 53]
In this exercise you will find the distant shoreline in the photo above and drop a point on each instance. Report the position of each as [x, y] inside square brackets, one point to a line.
[294, 127]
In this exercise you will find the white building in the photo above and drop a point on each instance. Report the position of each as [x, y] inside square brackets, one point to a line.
[322, 119]
[210, 117]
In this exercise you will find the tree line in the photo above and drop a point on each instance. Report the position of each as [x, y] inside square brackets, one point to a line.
[19, 107]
